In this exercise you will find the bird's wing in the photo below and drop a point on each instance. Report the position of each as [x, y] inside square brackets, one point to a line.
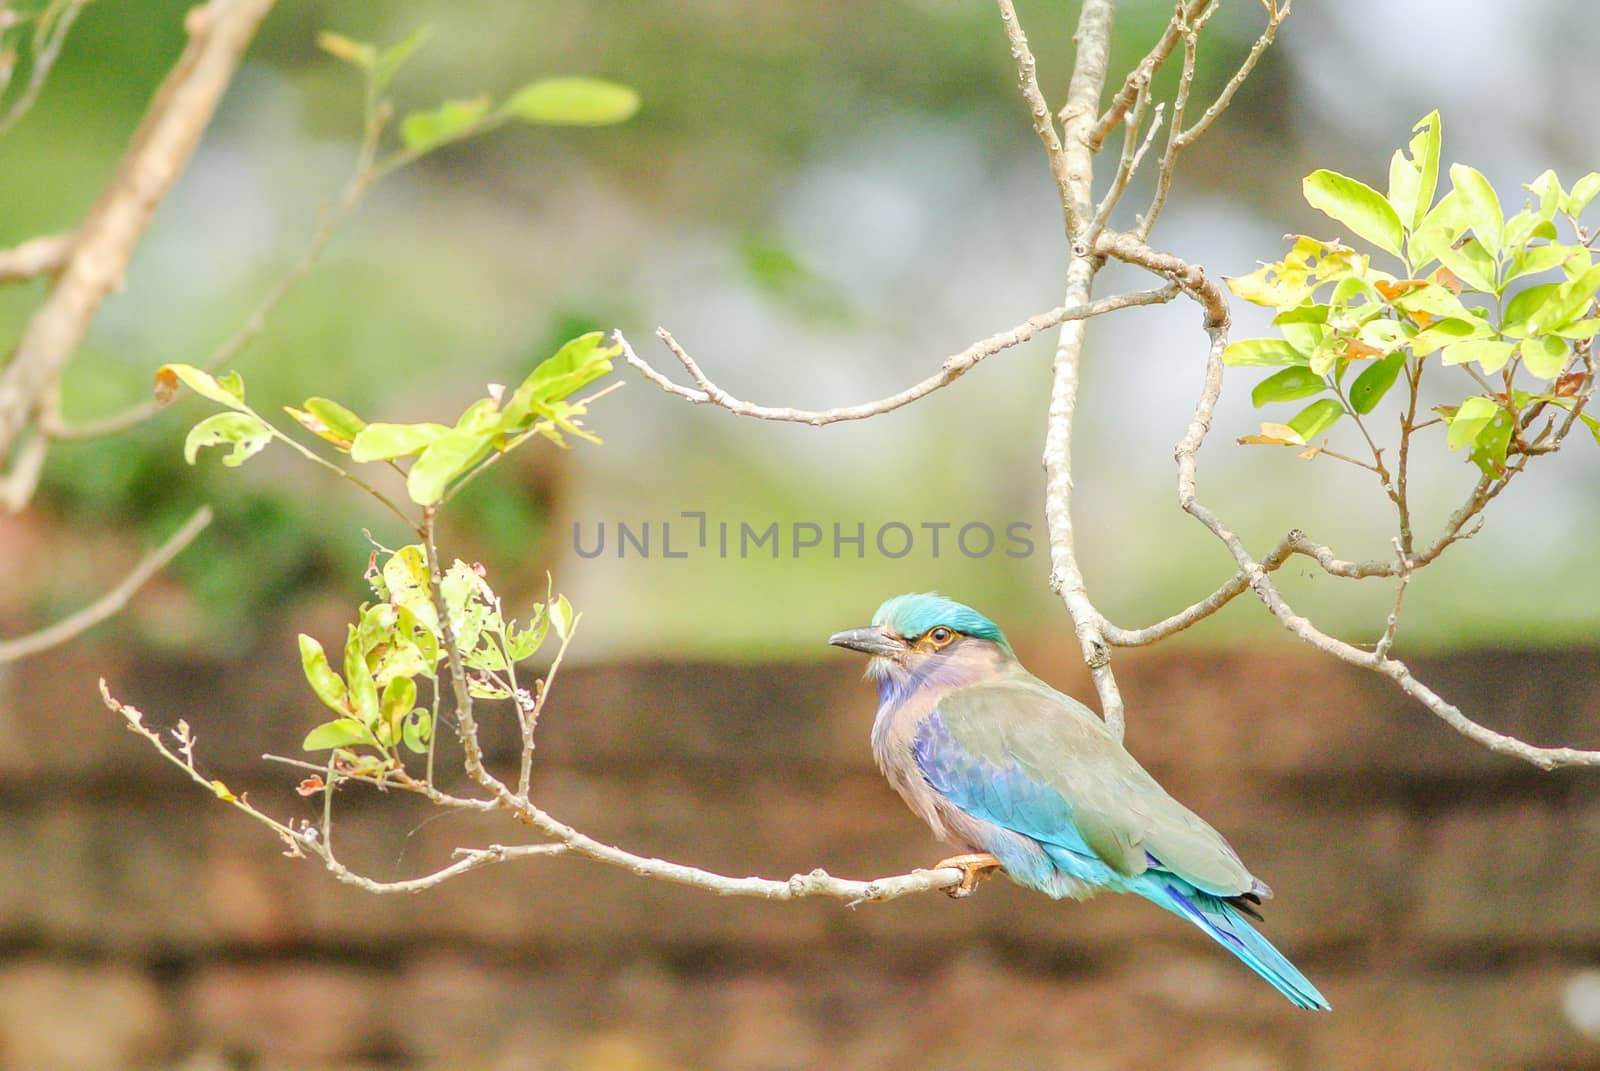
[1022, 755]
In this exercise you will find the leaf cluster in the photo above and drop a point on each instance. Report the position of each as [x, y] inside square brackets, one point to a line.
[1494, 295]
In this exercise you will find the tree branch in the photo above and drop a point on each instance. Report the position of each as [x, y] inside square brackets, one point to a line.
[1074, 202]
[219, 32]
[707, 392]
[112, 601]
[36, 256]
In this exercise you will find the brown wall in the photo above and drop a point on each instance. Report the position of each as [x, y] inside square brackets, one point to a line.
[1444, 899]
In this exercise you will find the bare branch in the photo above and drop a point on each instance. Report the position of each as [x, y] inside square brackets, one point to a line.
[219, 32]
[1093, 39]
[707, 392]
[112, 601]
[1131, 249]
[1074, 200]
[36, 256]
[1138, 80]
[50, 34]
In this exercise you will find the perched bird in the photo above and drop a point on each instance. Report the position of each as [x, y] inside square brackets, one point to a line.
[1030, 781]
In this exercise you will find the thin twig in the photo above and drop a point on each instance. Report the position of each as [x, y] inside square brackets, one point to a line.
[1074, 202]
[112, 601]
[51, 33]
[36, 256]
[707, 392]
[1138, 80]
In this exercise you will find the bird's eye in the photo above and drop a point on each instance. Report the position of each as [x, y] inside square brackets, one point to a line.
[940, 636]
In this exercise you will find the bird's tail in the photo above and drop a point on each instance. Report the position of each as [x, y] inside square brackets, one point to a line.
[1226, 926]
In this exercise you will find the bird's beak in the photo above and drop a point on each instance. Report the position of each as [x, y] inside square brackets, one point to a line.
[872, 641]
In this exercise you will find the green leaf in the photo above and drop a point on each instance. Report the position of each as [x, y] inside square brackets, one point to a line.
[1404, 181]
[327, 684]
[1262, 351]
[1540, 258]
[1374, 382]
[561, 618]
[446, 458]
[1490, 353]
[232, 383]
[383, 442]
[1523, 305]
[346, 732]
[356, 53]
[424, 131]
[329, 421]
[1471, 262]
[1579, 330]
[1356, 205]
[522, 643]
[1489, 448]
[1547, 187]
[203, 384]
[1583, 191]
[1445, 332]
[574, 366]
[572, 102]
[1569, 302]
[405, 574]
[417, 732]
[362, 688]
[244, 431]
[1471, 418]
[1286, 386]
[399, 696]
[1479, 205]
[391, 59]
[1316, 418]
[1425, 153]
[1544, 356]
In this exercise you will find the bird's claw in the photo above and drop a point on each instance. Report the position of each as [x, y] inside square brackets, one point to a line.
[974, 867]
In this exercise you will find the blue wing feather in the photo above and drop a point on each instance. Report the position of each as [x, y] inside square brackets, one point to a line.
[1005, 796]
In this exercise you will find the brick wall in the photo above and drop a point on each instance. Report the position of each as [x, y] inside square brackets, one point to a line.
[1447, 901]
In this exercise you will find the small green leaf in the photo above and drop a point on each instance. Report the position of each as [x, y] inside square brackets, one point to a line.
[1523, 306]
[572, 102]
[356, 53]
[391, 59]
[1547, 187]
[1472, 417]
[417, 732]
[1403, 182]
[1425, 152]
[327, 684]
[575, 365]
[1489, 448]
[345, 732]
[1356, 205]
[232, 383]
[383, 442]
[561, 618]
[398, 698]
[1583, 191]
[340, 421]
[1445, 332]
[1480, 206]
[1374, 382]
[1262, 351]
[244, 431]
[1544, 356]
[424, 131]
[1579, 330]
[1287, 385]
[1540, 258]
[1471, 262]
[446, 458]
[1569, 302]
[1490, 353]
[203, 384]
[1316, 418]
[363, 690]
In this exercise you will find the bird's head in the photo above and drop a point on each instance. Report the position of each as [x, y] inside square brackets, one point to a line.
[926, 639]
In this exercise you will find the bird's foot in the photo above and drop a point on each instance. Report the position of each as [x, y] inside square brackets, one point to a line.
[974, 867]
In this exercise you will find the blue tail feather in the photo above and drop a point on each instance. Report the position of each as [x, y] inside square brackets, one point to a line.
[1226, 926]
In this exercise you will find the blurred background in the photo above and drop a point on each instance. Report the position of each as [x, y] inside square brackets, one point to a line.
[822, 202]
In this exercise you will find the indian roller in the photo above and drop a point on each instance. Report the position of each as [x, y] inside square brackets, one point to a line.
[1030, 781]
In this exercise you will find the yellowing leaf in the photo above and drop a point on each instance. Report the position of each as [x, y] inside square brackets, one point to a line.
[1274, 435]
